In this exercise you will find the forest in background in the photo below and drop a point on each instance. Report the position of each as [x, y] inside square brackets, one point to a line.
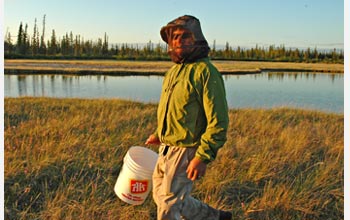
[75, 46]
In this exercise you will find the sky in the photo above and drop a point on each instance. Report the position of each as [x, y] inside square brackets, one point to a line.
[245, 23]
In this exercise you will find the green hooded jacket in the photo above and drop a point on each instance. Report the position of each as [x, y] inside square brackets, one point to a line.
[192, 110]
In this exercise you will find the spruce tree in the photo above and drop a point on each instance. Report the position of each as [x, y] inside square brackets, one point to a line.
[19, 39]
[8, 46]
[26, 43]
[53, 44]
[35, 43]
[105, 45]
[42, 39]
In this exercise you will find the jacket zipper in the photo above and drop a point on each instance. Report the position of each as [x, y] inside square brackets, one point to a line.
[170, 89]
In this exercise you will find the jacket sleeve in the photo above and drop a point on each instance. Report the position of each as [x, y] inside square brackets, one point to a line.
[216, 113]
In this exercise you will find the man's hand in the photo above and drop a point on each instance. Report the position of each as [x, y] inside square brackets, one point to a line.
[152, 139]
[196, 169]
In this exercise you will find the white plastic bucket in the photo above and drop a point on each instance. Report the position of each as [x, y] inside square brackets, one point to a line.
[135, 178]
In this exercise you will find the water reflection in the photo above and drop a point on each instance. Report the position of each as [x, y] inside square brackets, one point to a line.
[280, 76]
[302, 90]
[22, 85]
[303, 76]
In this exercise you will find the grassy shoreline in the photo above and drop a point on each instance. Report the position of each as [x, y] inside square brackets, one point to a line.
[62, 158]
[108, 67]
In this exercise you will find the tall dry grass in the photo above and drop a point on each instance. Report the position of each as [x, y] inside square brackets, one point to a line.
[63, 156]
[156, 67]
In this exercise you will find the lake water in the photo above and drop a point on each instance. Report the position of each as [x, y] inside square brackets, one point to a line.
[318, 91]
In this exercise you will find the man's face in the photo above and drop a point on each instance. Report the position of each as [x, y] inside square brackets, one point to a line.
[181, 41]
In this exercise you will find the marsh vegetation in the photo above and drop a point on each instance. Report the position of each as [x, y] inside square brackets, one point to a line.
[63, 156]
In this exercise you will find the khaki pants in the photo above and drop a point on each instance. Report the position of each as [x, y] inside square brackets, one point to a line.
[172, 188]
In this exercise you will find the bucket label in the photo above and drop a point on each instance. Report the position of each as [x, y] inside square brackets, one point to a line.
[132, 198]
[138, 186]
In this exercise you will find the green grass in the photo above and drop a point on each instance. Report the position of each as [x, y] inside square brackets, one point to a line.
[63, 156]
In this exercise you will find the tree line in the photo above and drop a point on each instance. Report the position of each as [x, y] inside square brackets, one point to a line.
[71, 46]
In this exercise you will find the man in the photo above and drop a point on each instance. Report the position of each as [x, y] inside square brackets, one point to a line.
[192, 123]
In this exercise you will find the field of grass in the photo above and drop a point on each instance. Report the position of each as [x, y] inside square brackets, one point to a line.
[154, 67]
[63, 156]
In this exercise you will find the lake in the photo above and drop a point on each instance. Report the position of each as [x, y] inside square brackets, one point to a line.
[318, 91]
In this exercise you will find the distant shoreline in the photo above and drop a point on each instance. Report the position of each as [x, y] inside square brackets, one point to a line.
[125, 68]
